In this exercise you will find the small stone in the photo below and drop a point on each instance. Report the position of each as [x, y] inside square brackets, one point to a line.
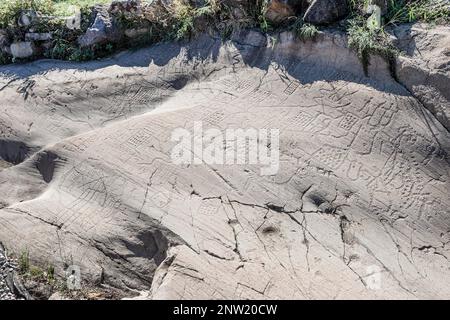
[279, 10]
[33, 36]
[393, 39]
[57, 296]
[22, 50]
[374, 21]
[101, 30]
[73, 22]
[95, 34]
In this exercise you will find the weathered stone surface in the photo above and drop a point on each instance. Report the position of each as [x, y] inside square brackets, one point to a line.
[358, 209]
[424, 68]
[326, 11]
[21, 50]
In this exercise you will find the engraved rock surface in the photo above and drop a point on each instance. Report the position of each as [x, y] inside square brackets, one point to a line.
[359, 207]
[425, 66]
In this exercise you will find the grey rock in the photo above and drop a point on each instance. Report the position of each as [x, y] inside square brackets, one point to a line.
[34, 36]
[326, 11]
[96, 33]
[23, 49]
[278, 11]
[424, 66]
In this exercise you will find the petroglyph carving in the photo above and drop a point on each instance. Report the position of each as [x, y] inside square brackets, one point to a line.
[361, 189]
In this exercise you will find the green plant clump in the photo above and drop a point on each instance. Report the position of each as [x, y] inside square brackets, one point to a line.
[181, 19]
[304, 31]
[33, 272]
[366, 41]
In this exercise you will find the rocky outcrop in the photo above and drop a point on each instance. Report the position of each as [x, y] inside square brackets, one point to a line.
[326, 11]
[34, 36]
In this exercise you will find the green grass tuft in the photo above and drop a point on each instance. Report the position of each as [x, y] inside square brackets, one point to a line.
[182, 20]
[430, 11]
[304, 31]
[367, 41]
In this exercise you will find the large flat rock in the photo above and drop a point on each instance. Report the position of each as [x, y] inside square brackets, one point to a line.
[357, 209]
